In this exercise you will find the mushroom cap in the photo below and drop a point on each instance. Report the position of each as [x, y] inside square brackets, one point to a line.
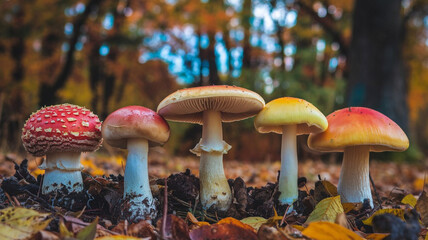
[356, 126]
[234, 103]
[134, 122]
[290, 111]
[61, 128]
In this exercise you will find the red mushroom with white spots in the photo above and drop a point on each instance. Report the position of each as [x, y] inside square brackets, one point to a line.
[61, 133]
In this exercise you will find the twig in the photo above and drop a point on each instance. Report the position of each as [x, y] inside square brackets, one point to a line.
[41, 201]
[41, 184]
[16, 201]
[285, 214]
[375, 192]
[165, 209]
[11, 202]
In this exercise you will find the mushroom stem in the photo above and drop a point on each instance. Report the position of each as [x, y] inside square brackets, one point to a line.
[354, 182]
[215, 190]
[62, 170]
[288, 175]
[136, 183]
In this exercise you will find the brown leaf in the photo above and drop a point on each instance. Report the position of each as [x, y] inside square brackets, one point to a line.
[324, 189]
[75, 225]
[236, 222]
[222, 232]
[422, 207]
[142, 229]
[45, 235]
[342, 220]
[195, 221]
[176, 228]
[269, 233]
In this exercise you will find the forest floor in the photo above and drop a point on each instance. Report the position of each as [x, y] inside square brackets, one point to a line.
[393, 182]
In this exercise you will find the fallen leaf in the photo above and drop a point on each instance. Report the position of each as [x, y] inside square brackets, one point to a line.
[45, 235]
[119, 237]
[410, 200]
[274, 219]
[141, 229]
[21, 223]
[347, 207]
[176, 228]
[397, 212]
[269, 233]
[254, 222]
[299, 227]
[195, 221]
[326, 210]
[75, 225]
[230, 220]
[377, 236]
[222, 232]
[422, 207]
[324, 189]
[329, 231]
[88, 233]
[342, 220]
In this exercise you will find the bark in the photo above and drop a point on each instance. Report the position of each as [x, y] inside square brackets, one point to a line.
[246, 24]
[213, 78]
[377, 77]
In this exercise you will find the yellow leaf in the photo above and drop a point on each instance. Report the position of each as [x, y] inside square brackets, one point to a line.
[299, 227]
[329, 231]
[274, 219]
[397, 212]
[326, 210]
[21, 223]
[347, 207]
[231, 220]
[409, 199]
[254, 222]
[377, 236]
[330, 188]
[195, 221]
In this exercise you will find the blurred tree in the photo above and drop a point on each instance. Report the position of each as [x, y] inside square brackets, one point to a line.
[377, 77]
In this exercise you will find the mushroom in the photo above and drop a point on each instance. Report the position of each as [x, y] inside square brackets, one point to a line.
[209, 106]
[357, 131]
[135, 128]
[290, 117]
[62, 132]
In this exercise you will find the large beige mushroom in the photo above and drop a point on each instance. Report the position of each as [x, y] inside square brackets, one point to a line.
[210, 106]
[290, 117]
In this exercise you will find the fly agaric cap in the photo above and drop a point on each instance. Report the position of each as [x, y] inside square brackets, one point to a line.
[134, 122]
[290, 111]
[188, 105]
[61, 128]
[355, 126]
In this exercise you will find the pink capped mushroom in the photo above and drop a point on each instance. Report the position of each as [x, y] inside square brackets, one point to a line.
[135, 128]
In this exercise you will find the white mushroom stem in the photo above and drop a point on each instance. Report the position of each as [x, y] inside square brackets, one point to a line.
[136, 186]
[354, 182]
[63, 169]
[214, 188]
[289, 166]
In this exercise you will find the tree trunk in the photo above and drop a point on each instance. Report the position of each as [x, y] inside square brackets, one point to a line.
[377, 78]
[246, 24]
[213, 78]
[47, 91]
